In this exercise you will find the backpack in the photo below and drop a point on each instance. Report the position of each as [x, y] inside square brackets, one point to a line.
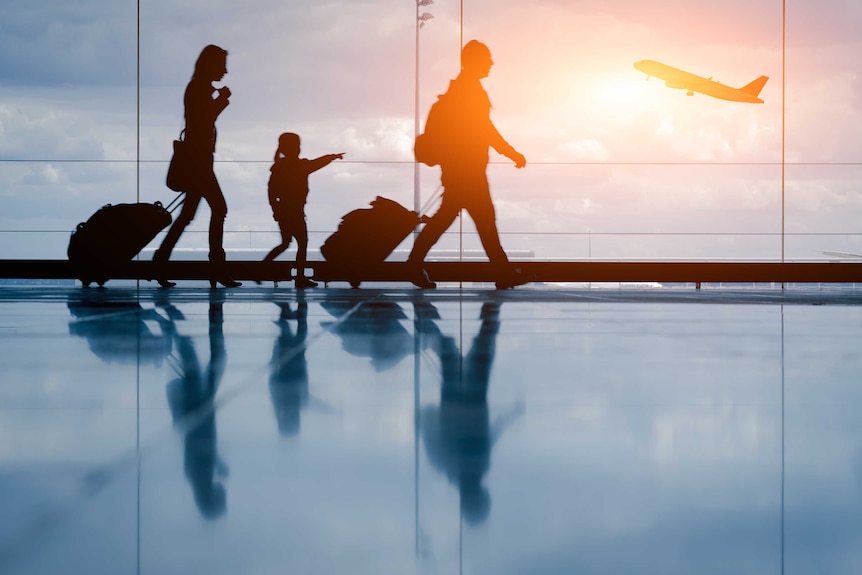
[431, 145]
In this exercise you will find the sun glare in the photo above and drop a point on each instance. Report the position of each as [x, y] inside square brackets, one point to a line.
[621, 90]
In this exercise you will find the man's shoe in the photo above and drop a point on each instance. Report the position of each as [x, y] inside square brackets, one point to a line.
[419, 278]
[514, 277]
[226, 282]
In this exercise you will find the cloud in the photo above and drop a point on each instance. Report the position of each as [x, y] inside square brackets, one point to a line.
[342, 75]
[49, 43]
[585, 151]
[38, 130]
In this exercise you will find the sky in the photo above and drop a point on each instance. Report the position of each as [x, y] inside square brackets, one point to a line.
[618, 166]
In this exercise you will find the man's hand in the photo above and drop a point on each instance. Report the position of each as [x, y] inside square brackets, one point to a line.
[519, 159]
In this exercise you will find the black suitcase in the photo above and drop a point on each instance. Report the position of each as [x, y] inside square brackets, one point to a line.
[113, 235]
[365, 237]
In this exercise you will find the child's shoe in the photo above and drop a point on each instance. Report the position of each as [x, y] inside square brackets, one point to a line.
[303, 282]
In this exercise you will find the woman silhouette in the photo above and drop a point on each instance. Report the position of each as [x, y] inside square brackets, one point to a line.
[201, 112]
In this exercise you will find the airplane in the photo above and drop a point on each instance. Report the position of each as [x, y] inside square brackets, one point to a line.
[676, 78]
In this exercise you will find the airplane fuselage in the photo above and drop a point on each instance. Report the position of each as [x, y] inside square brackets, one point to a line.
[682, 80]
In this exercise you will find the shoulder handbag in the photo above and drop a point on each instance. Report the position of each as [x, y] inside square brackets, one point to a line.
[179, 170]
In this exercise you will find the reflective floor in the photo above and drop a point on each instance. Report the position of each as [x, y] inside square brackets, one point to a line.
[372, 431]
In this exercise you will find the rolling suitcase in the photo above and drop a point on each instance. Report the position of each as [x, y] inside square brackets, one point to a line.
[114, 235]
[365, 237]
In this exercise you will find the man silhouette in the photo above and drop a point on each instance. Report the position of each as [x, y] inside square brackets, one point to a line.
[470, 133]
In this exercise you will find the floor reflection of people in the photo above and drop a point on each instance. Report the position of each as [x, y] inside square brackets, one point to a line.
[116, 330]
[190, 398]
[458, 434]
[288, 380]
[375, 330]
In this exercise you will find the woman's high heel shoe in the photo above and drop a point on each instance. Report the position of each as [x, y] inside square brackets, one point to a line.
[159, 262]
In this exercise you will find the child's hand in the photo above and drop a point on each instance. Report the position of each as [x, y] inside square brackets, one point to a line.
[339, 156]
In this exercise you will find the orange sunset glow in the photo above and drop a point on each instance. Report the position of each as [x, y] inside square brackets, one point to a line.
[608, 151]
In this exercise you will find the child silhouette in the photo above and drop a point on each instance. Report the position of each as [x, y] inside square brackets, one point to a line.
[288, 192]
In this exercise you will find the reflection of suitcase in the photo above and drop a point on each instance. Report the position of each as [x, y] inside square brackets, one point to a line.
[113, 235]
[365, 237]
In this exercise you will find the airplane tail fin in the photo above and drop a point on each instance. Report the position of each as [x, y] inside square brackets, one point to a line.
[755, 87]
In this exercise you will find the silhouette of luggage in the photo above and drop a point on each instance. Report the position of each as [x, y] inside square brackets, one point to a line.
[365, 237]
[132, 341]
[112, 236]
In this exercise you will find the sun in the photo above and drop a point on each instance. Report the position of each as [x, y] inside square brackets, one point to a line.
[620, 90]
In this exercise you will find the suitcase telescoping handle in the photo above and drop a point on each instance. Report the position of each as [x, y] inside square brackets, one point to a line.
[438, 193]
[176, 202]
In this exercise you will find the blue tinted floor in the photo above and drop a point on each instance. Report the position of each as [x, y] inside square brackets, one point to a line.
[264, 431]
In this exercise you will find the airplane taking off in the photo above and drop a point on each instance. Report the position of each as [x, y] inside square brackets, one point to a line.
[676, 78]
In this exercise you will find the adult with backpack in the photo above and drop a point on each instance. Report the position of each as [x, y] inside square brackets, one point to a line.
[458, 134]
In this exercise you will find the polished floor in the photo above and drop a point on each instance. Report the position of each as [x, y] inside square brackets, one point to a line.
[376, 431]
